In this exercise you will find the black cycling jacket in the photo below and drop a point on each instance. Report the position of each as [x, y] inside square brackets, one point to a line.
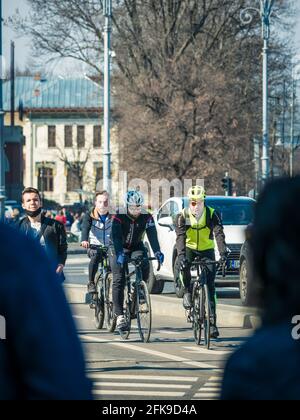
[127, 233]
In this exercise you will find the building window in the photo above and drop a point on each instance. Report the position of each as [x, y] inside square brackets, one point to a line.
[68, 136]
[98, 171]
[73, 183]
[51, 136]
[97, 136]
[80, 136]
[45, 179]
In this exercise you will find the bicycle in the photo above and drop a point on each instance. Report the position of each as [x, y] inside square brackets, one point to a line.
[200, 313]
[137, 302]
[103, 303]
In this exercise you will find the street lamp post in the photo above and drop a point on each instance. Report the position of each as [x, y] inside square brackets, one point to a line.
[247, 17]
[107, 12]
[292, 127]
[2, 160]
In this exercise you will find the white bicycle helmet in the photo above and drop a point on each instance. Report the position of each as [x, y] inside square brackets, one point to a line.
[196, 193]
[134, 198]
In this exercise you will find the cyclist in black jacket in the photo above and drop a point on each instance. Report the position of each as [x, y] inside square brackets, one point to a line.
[49, 233]
[128, 229]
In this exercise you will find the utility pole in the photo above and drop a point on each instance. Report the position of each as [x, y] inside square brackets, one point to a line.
[2, 160]
[292, 127]
[246, 17]
[107, 12]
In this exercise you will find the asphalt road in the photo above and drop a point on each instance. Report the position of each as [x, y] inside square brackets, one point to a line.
[170, 367]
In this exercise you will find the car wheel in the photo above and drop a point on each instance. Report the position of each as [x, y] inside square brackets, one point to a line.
[244, 284]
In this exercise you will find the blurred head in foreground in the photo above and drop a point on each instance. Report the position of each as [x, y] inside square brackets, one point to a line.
[275, 244]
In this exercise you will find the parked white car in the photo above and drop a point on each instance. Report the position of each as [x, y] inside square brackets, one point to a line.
[236, 214]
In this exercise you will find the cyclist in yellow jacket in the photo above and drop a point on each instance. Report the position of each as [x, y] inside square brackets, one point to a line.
[196, 229]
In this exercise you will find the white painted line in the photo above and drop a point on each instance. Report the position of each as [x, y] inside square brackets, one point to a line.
[169, 332]
[164, 355]
[207, 396]
[151, 352]
[143, 377]
[210, 389]
[206, 351]
[87, 338]
[216, 378]
[140, 385]
[140, 393]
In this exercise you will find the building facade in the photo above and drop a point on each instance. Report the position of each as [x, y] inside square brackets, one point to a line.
[62, 121]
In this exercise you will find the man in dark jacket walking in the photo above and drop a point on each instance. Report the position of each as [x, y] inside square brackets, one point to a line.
[40, 354]
[49, 233]
[96, 229]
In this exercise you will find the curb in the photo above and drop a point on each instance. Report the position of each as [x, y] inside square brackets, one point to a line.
[227, 315]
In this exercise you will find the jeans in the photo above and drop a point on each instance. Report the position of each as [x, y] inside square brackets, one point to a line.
[95, 259]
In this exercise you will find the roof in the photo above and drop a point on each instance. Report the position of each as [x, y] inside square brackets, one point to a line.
[54, 93]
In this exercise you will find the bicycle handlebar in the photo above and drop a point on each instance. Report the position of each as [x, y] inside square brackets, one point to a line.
[138, 260]
[207, 261]
[98, 247]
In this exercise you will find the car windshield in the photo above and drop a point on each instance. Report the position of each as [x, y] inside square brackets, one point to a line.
[233, 211]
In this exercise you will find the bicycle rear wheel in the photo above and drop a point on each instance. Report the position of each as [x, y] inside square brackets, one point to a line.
[110, 319]
[196, 314]
[126, 312]
[144, 312]
[99, 304]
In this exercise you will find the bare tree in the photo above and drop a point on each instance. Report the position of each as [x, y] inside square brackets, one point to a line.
[187, 82]
[76, 166]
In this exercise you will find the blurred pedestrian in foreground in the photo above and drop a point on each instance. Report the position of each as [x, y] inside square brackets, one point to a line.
[267, 367]
[40, 357]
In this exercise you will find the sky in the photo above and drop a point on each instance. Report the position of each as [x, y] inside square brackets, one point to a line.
[23, 45]
[23, 50]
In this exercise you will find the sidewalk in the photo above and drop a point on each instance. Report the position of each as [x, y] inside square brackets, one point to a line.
[228, 315]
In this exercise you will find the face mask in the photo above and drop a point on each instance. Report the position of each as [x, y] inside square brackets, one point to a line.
[34, 213]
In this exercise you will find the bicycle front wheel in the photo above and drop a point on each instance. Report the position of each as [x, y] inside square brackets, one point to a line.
[144, 312]
[207, 316]
[126, 311]
[99, 304]
[197, 315]
[110, 319]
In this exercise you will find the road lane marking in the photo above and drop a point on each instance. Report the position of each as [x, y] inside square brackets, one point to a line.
[160, 354]
[140, 393]
[143, 377]
[140, 385]
[207, 396]
[168, 332]
[164, 355]
[207, 351]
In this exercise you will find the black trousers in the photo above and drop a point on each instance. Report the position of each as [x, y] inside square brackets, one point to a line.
[95, 259]
[186, 274]
[119, 276]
